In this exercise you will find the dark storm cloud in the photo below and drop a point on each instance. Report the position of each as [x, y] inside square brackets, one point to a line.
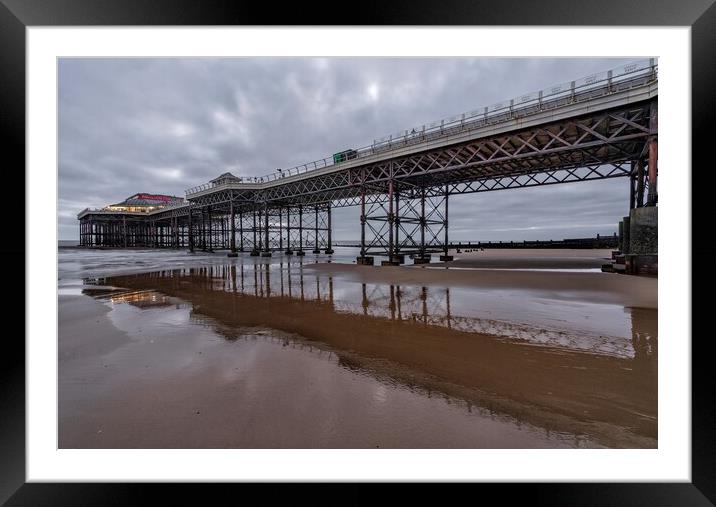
[164, 125]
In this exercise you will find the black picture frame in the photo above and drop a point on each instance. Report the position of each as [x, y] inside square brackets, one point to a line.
[16, 15]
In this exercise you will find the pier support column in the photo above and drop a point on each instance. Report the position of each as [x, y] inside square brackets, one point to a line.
[203, 230]
[175, 223]
[391, 227]
[241, 231]
[300, 251]
[653, 152]
[329, 246]
[124, 230]
[255, 249]
[422, 222]
[266, 250]
[316, 250]
[232, 239]
[422, 257]
[391, 223]
[363, 259]
[397, 257]
[191, 232]
[280, 229]
[632, 186]
[210, 235]
[288, 231]
[222, 232]
[640, 183]
[652, 200]
[446, 257]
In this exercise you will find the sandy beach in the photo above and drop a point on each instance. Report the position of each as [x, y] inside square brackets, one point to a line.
[289, 353]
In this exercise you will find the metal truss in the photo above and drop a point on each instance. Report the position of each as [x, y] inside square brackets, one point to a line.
[421, 222]
[551, 177]
[605, 138]
[377, 219]
[246, 231]
[409, 222]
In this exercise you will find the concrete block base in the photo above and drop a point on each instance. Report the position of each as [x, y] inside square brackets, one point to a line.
[232, 254]
[265, 254]
[329, 251]
[316, 250]
[421, 260]
[365, 260]
[643, 231]
[288, 252]
[254, 253]
[300, 253]
[645, 264]
[389, 263]
[446, 258]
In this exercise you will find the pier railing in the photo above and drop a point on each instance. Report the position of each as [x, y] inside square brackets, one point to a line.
[589, 87]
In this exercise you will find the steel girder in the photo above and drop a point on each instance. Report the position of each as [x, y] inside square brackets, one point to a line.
[602, 139]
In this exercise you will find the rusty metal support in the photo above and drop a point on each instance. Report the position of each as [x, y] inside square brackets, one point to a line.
[653, 154]
[640, 183]
[632, 185]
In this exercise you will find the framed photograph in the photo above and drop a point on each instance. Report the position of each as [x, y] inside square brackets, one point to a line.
[419, 246]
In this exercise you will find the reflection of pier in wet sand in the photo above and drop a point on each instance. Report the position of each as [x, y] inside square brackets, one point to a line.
[597, 379]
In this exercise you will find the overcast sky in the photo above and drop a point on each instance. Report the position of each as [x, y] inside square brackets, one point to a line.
[165, 125]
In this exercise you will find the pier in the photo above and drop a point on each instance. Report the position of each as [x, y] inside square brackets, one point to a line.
[598, 127]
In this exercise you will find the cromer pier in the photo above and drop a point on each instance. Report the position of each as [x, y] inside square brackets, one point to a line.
[597, 127]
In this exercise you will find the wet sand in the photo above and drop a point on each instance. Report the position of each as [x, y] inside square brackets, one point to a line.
[528, 258]
[628, 291]
[334, 355]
